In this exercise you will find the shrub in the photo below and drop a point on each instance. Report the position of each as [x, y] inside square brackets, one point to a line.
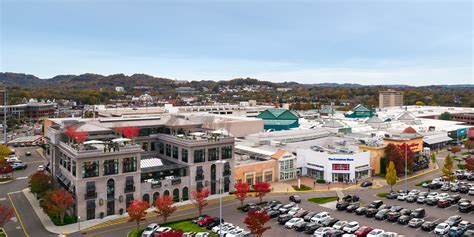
[101, 215]
[67, 220]
[321, 181]
[461, 166]
[422, 182]
[382, 195]
[121, 211]
[302, 187]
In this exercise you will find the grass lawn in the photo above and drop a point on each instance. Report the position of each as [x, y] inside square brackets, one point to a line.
[322, 200]
[382, 195]
[184, 225]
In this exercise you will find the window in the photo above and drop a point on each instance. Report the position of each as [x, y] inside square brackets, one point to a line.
[249, 180]
[259, 178]
[128, 199]
[199, 156]
[145, 146]
[110, 167]
[161, 148]
[226, 184]
[152, 146]
[175, 152]
[73, 168]
[184, 155]
[268, 176]
[213, 154]
[168, 150]
[129, 184]
[227, 152]
[340, 166]
[199, 186]
[227, 169]
[129, 164]
[90, 190]
[199, 173]
[90, 210]
[110, 189]
[90, 169]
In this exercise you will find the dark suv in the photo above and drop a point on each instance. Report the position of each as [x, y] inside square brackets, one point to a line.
[376, 204]
[418, 213]
[393, 216]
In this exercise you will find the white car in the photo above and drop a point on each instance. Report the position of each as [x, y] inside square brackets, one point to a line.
[471, 191]
[432, 195]
[294, 210]
[236, 233]
[443, 196]
[320, 217]
[339, 225]
[163, 229]
[321, 231]
[402, 196]
[414, 192]
[150, 230]
[202, 234]
[41, 168]
[289, 224]
[218, 227]
[389, 234]
[226, 230]
[441, 229]
[13, 159]
[375, 233]
[351, 227]
[464, 224]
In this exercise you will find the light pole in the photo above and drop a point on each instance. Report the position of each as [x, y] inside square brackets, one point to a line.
[406, 167]
[78, 223]
[220, 194]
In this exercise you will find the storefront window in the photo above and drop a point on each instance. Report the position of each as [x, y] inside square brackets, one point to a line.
[168, 150]
[175, 152]
[161, 148]
[213, 154]
[340, 167]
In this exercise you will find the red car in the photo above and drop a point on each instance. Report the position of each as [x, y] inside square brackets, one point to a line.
[206, 220]
[444, 203]
[363, 231]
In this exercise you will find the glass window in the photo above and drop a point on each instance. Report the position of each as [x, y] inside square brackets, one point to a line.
[168, 150]
[110, 167]
[227, 169]
[268, 176]
[73, 168]
[161, 148]
[184, 155]
[129, 184]
[90, 209]
[199, 156]
[128, 199]
[213, 154]
[129, 164]
[145, 146]
[152, 146]
[199, 173]
[90, 169]
[175, 152]
[227, 152]
[340, 166]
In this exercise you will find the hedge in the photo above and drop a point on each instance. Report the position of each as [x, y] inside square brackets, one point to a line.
[321, 181]
[461, 166]
[382, 195]
[302, 187]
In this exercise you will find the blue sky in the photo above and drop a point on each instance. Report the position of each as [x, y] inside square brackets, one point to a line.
[415, 42]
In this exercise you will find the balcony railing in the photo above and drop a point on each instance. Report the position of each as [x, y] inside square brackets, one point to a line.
[79, 149]
[129, 189]
[90, 195]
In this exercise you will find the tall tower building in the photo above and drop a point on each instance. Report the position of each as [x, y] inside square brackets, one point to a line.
[390, 98]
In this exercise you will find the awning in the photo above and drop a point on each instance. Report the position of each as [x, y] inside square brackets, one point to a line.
[430, 140]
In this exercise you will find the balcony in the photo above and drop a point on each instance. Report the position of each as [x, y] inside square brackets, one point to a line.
[80, 150]
[90, 195]
[129, 189]
[202, 140]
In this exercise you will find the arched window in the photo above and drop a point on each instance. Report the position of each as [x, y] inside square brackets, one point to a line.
[110, 189]
[176, 195]
[185, 194]
[166, 193]
[155, 195]
[146, 197]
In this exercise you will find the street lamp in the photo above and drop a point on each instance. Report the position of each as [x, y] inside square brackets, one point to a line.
[78, 223]
[220, 194]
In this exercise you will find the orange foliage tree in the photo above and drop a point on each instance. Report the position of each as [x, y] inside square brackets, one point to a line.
[57, 202]
[164, 206]
[255, 221]
[262, 188]
[6, 213]
[40, 182]
[199, 199]
[241, 192]
[469, 163]
[137, 211]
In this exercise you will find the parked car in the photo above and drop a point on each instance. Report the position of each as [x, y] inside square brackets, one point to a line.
[205, 221]
[248, 206]
[375, 204]
[421, 199]
[441, 229]
[311, 227]
[396, 208]
[40, 168]
[375, 233]
[393, 216]
[301, 213]
[351, 198]
[286, 208]
[416, 222]
[339, 225]
[290, 224]
[329, 222]
[455, 232]
[392, 195]
[366, 184]
[370, 212]
[403, 220]
[28, 153]
[453, 199]
[163, 229]
[150, 230]
[321, 231]
[273, 214]
[361, 210]
[382, 214]
[320, 217]
[405, 212]
[341, 206]
[295, 198]
[300, 226]
[363, 231]
[411, 198]
[444, 203]
[453, 220]
[282, 219]
[351, 208]
[351, 227]
[294, 210]
[402, 196]
[195, 220]
[277, 207]
[273, 203]
[308, 216]
[19, 166]
[428, 225]
[465, 207]
[418, 213]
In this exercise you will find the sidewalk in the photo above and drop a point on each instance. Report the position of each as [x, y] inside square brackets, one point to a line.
[106, 221]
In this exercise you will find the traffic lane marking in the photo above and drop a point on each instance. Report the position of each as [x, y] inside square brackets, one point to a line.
[18, 215]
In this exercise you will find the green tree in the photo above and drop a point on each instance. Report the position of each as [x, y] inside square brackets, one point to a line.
[448, 168]
[4, 151]
[40, 183]
[433, 159]
[391, 175]
[445, 116]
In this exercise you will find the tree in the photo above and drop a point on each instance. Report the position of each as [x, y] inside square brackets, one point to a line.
[255, 221]
[391, 175]
[4, 151]
[57, 202]
[137, 211]
[469, 144]
[448, 168]
[455, 149]
[164, 206]
[5, 168]
[433, 159]
[409, 156]
[75, 135]
[445, 116]
[6, 213]
[241, 191]
[199, 199]
[469, 164]
[40, 182]
[130, 132]
[262, 188]
[393, 153]
[171, 233]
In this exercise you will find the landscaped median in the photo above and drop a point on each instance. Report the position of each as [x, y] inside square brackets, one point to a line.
[183, 225]
[382, 194]
[322, 200]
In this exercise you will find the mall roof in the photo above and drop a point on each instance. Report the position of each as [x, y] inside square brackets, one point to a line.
[436, 138]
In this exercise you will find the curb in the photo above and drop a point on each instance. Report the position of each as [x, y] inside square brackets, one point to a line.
[5, 182]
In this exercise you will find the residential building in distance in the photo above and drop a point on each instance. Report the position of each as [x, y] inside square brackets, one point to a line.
[170, 156]
[31, 111]
[390, 98]
[467, 118]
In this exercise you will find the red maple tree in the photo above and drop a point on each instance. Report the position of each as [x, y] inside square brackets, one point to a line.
[137, 211]
[256, 220]
[241, 192]
[164, 206]
[6, 213]
[262, 188]
[130, 132]
[397, 155]
[5, 168]
[57, 202]
[40, 182]
[73, 134]
[469, 165]
[171, 233]
[199, 199]
[408, 148]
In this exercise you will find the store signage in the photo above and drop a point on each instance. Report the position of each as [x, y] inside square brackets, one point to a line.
[340, 159]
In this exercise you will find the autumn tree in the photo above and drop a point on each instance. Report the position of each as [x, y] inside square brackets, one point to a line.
[130, 132]
[57, 202]
[410, 160]
[455, 149]
[469, 144]
[448, 168]
[393, 154]
[469, 165]
[241, 192]
[199, 199]
[6, 213]
[255, 221]
[5, 168]
[164, 206]
[171, 233]
[75, 135]
[261, 189]
[4, 151]
[137, 211]
[391, 175]
[40, 182]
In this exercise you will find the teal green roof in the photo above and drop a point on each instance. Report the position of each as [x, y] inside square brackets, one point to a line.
[360, 108]
[277, 112]
[279, 122]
